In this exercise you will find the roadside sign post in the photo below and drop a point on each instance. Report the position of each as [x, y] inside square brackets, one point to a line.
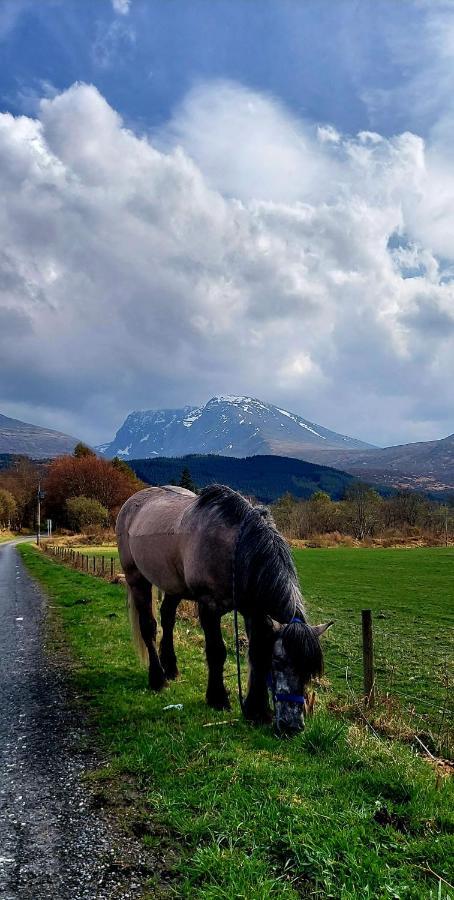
[40, 497]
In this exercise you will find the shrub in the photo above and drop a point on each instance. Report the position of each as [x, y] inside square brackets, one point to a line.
[84, 512]
[8, 508]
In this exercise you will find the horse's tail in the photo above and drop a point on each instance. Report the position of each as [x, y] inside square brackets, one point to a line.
[137, 639]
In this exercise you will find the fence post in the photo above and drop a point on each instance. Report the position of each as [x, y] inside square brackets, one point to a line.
[368, 658]
[103, 565]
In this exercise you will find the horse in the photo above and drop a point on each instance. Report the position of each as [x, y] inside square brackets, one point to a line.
[219, 550]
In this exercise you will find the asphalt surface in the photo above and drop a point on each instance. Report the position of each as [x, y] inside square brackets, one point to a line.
[54, 841]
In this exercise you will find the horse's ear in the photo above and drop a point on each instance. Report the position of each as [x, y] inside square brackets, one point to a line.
[318, 630]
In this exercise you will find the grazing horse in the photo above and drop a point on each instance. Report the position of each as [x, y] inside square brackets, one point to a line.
[222, 552]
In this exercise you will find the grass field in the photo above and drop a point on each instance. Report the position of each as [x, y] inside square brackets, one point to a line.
[106, 550]
[411, 595]
[333, 813]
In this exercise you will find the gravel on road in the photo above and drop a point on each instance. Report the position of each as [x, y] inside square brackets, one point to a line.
[55, 843]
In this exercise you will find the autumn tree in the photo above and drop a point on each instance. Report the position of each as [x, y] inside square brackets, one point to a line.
[81, 450]
[8, 508]
[22, 482]
[362, 507]
[87, 476]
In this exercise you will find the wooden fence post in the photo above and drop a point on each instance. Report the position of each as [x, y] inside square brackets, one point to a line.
[103, 565]
[112, 567]
[368, 658]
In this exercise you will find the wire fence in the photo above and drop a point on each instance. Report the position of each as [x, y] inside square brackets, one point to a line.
[99, 564]
[403, 684]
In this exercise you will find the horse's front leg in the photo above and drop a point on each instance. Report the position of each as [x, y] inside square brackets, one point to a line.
[166, 648]
[256, 705]
[216, 694]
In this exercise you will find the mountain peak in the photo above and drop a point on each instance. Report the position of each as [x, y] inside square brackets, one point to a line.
[228, 425]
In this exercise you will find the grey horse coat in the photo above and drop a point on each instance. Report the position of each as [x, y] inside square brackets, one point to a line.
[160, 533]
[218, 550]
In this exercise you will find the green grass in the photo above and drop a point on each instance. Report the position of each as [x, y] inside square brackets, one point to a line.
[411, 595]
[333, 813]
[96, 549]
[6, 536]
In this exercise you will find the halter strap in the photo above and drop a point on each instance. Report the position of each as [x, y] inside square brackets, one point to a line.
[284, 696]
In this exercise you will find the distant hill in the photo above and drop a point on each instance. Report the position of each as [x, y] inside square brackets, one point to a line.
[21, 438]
[229, 426]
[425, 466]
[263, 477]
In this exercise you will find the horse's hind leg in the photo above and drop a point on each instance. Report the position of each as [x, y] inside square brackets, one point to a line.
[166, 648]
[216, 695]
[141, 595]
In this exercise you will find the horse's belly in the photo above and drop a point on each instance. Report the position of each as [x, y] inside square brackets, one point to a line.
[158, 558]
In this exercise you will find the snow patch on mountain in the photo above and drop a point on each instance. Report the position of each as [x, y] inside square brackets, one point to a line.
[227, 425]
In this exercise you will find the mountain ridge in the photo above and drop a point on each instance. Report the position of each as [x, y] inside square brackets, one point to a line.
[227, 425]
[25, 439]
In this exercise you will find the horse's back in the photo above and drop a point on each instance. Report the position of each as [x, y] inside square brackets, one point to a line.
[149, 535]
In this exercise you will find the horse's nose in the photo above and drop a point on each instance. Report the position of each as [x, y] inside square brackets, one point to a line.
[289, 727]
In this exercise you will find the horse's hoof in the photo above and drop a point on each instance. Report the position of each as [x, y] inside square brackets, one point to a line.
[157, 682]
[172, 674]
[218, 701]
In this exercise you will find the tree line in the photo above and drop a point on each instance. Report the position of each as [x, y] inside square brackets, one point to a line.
[78, 491]
[83, 491]
[364, 513]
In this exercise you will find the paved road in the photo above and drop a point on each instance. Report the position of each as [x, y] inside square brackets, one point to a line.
[54, 843]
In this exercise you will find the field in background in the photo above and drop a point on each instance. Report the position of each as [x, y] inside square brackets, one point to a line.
[411, 595]
[229, 810]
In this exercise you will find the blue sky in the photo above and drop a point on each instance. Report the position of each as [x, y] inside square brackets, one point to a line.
[318, 56]
[228, 196]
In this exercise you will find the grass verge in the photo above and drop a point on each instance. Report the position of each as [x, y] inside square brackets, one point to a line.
[333, 813]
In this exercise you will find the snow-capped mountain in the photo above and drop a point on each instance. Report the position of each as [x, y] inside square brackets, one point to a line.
[230, 426]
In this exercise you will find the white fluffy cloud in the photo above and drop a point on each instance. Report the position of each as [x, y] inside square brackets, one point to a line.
[237, 250]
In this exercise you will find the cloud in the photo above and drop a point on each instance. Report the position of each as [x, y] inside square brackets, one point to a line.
[113, 45]
[238, 250]
[421, 52]
[121, 7]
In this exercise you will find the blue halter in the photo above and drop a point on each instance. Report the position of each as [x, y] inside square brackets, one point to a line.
[286, 696]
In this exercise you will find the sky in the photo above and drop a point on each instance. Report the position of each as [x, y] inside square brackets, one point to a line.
[250, 197]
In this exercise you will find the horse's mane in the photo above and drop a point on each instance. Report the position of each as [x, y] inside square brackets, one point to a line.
[264, 576]
[225, 503]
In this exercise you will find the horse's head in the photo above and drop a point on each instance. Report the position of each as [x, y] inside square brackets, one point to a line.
[296, 658]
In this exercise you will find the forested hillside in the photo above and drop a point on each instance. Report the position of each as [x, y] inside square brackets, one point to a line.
[263, 477]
